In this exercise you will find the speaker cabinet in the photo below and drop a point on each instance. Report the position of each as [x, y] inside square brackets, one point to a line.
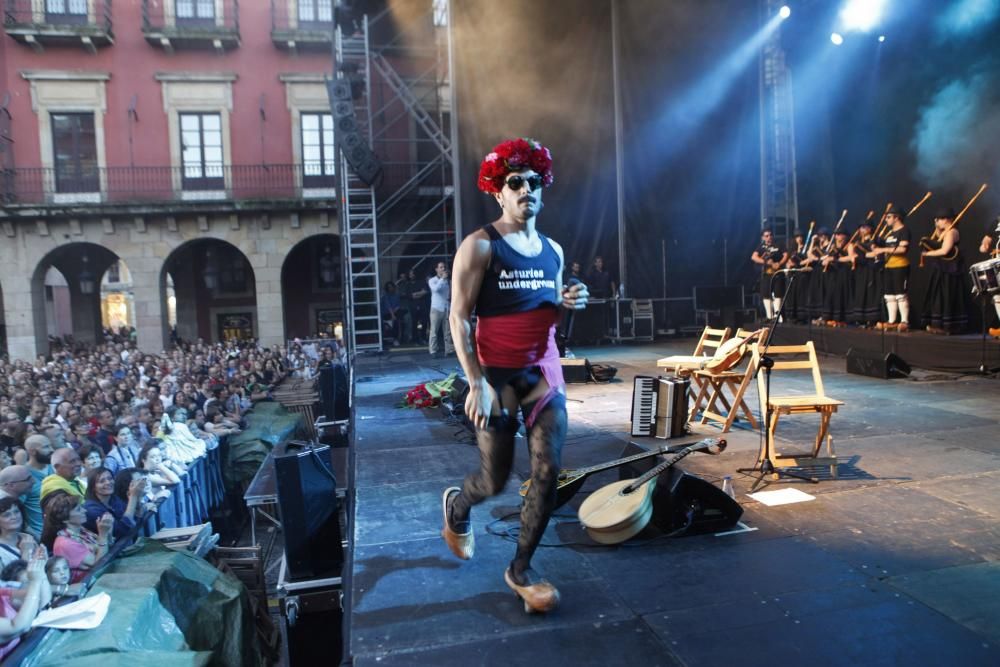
[683, 504]
[310, 514]
[873, 364]
[575, 370]
[334, 392]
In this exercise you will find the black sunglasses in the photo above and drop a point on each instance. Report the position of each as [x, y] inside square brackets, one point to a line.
[517, 182]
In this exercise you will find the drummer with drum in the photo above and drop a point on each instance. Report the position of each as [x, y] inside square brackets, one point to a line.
[986, 275]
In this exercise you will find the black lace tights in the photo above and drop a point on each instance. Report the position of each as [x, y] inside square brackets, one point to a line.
[496, 457]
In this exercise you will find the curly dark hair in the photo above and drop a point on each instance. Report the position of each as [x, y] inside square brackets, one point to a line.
[57, 512]
[7, 502]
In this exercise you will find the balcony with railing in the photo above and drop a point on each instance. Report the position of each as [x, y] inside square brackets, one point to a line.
[44, 23]
[302, 24]
[192, 24]
[165, 186]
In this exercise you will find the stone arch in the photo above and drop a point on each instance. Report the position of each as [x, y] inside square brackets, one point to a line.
[82, 264]
[215, 287]
[312, 292]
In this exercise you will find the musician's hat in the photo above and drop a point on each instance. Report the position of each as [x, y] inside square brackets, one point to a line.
[945, 212]
[895, 210]
[797, 232]
[865, 223]
[840, 232]
[823, 231]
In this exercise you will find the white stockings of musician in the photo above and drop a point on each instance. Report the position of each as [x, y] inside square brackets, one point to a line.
[904, 308]
[768, 308]
[891, 306]
[996, 304]
[776, 307]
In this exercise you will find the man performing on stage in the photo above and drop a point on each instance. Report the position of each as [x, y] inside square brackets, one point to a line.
[511, 275]
[770, 258]
[991, 246]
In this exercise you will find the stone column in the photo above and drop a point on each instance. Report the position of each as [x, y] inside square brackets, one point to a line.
[270, 310]
[150, 327]
[21, 312]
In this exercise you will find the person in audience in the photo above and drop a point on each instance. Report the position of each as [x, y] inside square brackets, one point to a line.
[65, 535]
[58, 574]
[19, 608]
[15, 544]
[101, 499]
[159, 473]
[39, 451]
[92, 458]
[67, 466]
[15, 482]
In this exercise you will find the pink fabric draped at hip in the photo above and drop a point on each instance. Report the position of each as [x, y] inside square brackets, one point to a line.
[522, 340]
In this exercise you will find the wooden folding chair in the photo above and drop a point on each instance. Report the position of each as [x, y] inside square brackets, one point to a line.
[714, 385]
[682, 364]
[817, 402]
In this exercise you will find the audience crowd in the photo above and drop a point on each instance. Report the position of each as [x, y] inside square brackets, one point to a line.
[93, 437]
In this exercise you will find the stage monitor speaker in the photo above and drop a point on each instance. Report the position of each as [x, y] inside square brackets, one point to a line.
[310, 515]
[683, 504]
[575, 370]
[334, 392]
[876, 365]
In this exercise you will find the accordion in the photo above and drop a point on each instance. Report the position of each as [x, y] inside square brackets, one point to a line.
[660, 406]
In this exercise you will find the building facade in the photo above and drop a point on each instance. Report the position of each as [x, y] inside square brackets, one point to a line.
[191, 140]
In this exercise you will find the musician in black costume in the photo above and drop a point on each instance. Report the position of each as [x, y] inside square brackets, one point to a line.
[892, 249]
[817, 280]
[837, 278]
[796, 289]
[866, 307]
[771, 258]
[991, 246]
[944, 302]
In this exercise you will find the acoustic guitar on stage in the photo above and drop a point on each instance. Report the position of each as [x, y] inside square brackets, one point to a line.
[620, 510]
[730, 353]
[571, 479]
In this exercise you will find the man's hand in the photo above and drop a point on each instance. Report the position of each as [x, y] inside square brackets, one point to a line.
[575, 297]
[479, 402]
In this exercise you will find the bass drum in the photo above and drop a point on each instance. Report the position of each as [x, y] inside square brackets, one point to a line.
[986, 276]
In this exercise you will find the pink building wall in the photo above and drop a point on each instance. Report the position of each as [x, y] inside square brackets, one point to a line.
[133, 63]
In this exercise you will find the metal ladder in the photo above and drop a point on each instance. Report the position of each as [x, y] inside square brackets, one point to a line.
[358, 215]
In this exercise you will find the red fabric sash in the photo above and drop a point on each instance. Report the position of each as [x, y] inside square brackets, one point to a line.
[517, 340]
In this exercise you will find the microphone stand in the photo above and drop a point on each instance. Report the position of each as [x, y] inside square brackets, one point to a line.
[763, 466]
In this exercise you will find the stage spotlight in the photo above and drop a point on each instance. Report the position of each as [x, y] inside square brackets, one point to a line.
[837, 38]
[785, 11]
[861, 14]
[881, 38]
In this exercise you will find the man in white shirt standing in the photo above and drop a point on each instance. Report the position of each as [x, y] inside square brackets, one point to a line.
[440, 287]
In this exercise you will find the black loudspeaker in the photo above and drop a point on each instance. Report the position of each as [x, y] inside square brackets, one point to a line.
[575, 370]
[339, 90]
[683, 504]
[333, 392]
[876, 365]
[310, 516]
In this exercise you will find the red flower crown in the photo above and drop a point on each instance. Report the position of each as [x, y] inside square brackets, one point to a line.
[514, 155]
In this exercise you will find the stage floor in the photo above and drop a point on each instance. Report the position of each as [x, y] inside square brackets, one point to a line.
[895, 562]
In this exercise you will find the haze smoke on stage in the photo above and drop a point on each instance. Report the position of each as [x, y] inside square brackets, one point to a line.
[967, 16]
[951, 139]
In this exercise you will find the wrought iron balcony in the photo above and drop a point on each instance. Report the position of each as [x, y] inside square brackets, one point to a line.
[163, 185]
[192, 24]
[42, 23]
[302, 24]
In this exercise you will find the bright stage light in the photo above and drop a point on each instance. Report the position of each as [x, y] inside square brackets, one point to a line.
[837, 38]
[785, 11]
[881, 38]
[861, 14]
